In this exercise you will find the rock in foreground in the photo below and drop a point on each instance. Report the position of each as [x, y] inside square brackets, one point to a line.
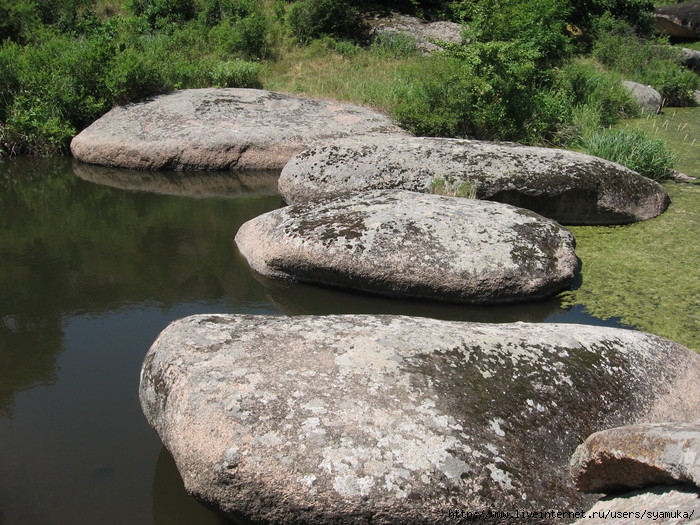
[638, 456]
[407, 244]
[397, 420]
[569, 187]
[662, 505]
[213, 129]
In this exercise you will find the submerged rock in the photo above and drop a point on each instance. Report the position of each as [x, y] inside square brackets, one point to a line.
[638, 456]
[213, 129]
[398, 420]
[407, 244]
[569, 187]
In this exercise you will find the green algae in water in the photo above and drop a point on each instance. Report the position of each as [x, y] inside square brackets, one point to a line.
[647, 273]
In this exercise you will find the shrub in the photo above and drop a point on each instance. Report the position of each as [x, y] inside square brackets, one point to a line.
[440, 97]
[310, 19]
[596, 98]
[160, 13]
[244, 38]
[212, 12]
[633, 148]
[35, 125]
[648, 62]
[538, 24]
[134, 75]
[50, 89]
[18, 18]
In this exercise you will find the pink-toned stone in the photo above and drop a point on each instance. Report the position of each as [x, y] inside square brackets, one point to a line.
[214, 129]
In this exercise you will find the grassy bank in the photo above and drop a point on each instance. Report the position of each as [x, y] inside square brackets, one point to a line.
[540, 72]
[646, 274]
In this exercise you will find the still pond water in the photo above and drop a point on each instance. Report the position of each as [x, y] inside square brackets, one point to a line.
[94, 263]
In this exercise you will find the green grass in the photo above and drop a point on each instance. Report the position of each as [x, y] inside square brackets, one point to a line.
[326, 70]
[454, 188]
[680, 128]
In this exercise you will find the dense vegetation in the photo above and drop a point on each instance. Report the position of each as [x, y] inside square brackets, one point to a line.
[534, 71]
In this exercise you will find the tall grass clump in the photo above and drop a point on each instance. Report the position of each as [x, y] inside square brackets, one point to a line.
[632, 148]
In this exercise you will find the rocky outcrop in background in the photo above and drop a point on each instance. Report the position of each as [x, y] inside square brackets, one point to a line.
[679, 20]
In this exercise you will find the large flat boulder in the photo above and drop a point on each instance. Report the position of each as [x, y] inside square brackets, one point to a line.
[214, 129]
[569, 187]
[638, 456]
[406, 244]
[679, 20]
[398, 420]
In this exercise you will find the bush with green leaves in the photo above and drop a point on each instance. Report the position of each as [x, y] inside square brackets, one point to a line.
[494, 90]
[212, 12]
[310, 19]
[651, 62]
[160, 13]
[440, 97]
[539, 25]
[245, 38]
[650, 157]
[597, 98]
[18, 18]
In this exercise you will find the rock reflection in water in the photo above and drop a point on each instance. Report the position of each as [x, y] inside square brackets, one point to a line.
[187, 184]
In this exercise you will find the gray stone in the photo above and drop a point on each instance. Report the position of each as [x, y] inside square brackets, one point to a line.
[679, 20]
[690, 58]
[569, 187]
[647, 97]
[638, 456]
[407, 244]
[212, 129]
[398, 420]
[658, 505]
[427, 35]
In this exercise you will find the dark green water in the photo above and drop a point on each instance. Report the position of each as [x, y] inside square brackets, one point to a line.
[91, 270]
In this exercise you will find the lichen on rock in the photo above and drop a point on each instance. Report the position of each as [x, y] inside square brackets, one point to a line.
[407, 244]
[389, 419]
